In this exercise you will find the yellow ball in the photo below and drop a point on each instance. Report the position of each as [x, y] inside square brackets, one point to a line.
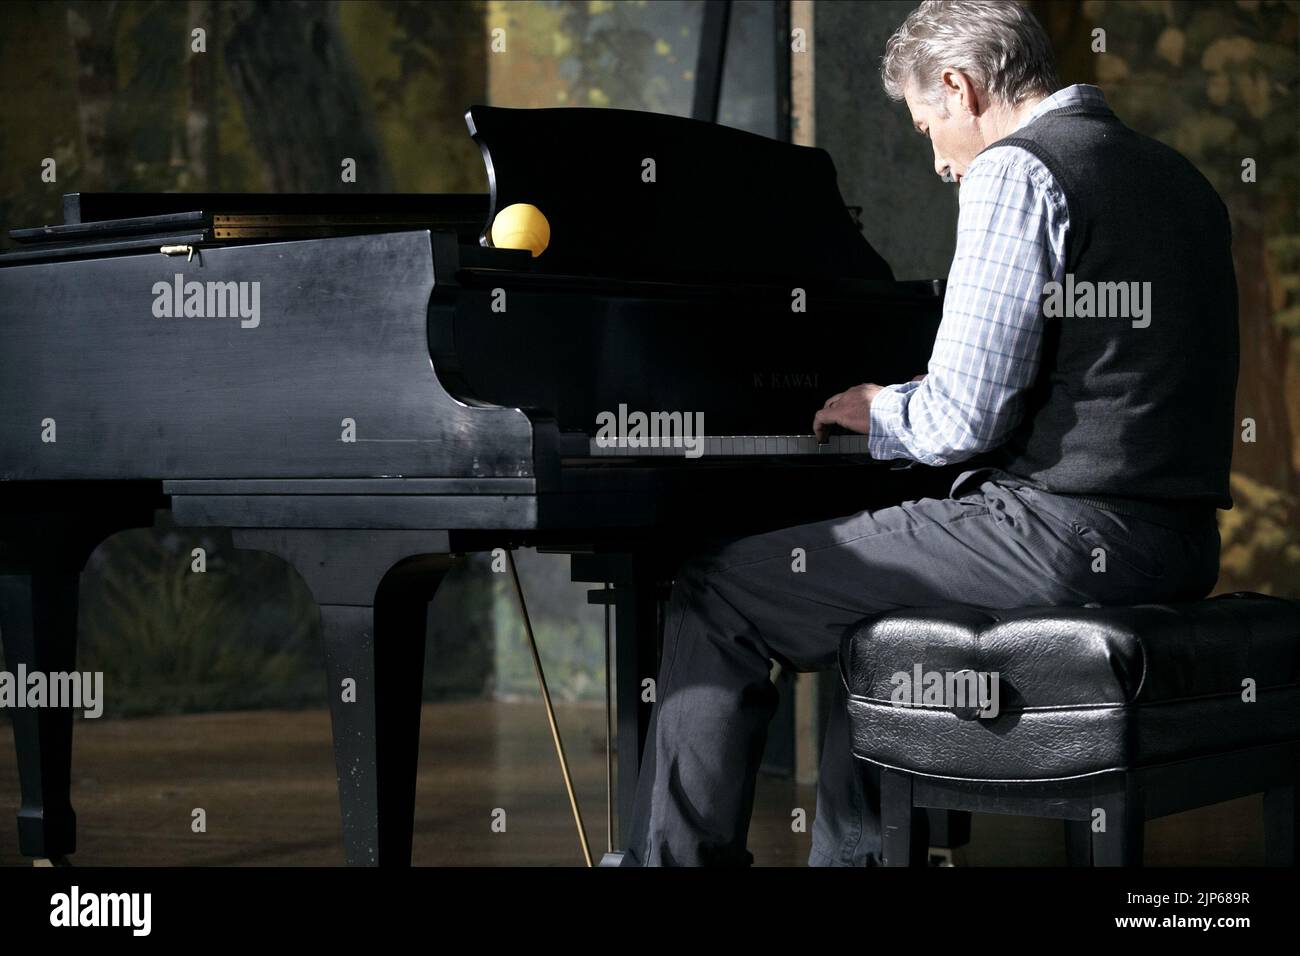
[521, 226]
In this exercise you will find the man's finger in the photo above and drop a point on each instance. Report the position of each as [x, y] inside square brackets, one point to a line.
[821, 421]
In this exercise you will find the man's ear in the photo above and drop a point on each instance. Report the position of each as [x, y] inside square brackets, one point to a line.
[957, 84]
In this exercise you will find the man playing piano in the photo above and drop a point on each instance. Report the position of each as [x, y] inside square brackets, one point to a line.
[1085, 369]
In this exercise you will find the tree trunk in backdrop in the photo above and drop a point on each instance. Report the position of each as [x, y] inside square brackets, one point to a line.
[92, 28]
[300, 97]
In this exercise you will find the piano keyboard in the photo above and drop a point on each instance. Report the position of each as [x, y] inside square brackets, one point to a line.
[727, 446]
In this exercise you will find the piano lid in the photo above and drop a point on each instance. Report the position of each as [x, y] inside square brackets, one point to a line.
[644, 194]
[286, 210]
[120, 223]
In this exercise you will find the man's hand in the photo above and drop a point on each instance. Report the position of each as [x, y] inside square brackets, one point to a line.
[850, 409]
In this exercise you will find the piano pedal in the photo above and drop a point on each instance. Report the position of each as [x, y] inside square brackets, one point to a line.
[44, 861]
[611, 858]
[943, 856]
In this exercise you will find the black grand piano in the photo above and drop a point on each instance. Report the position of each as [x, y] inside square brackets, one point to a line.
[363, 386]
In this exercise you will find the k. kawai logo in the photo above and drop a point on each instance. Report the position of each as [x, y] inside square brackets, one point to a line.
[787, 380]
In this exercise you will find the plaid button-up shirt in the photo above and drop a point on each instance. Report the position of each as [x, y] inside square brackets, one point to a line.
[1011, 231]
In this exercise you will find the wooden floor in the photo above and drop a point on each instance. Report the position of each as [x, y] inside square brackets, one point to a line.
[266, 782]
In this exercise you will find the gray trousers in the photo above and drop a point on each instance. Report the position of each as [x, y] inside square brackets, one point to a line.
[790, 595]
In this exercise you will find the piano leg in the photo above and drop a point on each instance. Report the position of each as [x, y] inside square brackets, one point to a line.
[637, 624]
[373, 590]
[38, 624]
[41, 557]
[639, 580]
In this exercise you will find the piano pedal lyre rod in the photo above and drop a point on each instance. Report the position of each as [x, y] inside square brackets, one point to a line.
[550, 709]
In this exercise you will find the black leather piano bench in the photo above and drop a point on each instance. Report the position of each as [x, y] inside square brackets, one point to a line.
[1105, 717]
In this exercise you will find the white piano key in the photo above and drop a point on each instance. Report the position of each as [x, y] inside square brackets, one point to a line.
[735, 446]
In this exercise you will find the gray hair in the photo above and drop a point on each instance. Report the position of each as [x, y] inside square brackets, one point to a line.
[997, 43]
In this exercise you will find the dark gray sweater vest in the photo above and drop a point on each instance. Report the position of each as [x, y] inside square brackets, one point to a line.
[1135, 394]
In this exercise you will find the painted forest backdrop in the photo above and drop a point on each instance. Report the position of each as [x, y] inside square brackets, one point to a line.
[112, 91]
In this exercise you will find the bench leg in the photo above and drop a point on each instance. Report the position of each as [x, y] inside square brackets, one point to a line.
[1120, 843]
[905, 829]
[1078, 843]
[1281, 816]
[949, 829]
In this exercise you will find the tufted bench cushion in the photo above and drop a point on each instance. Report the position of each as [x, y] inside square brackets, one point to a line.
[1081, 690]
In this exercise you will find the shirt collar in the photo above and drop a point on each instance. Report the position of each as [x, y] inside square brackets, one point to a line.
[1079, 94]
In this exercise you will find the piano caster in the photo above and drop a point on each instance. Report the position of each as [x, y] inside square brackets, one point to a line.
[51, 861]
